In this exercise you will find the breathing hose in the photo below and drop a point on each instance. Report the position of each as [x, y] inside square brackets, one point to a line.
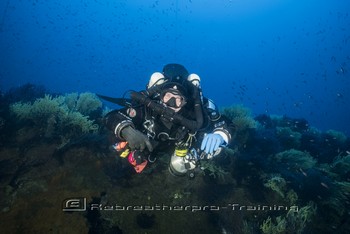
[162, 110]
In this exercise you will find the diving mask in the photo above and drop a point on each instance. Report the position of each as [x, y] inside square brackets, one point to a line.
[173, 98]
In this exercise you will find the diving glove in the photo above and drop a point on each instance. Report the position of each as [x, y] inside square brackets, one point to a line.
[136, 139]
[212, 142]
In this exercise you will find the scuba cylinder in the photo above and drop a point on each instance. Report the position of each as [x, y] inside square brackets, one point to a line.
[184, 158]
[181, 165]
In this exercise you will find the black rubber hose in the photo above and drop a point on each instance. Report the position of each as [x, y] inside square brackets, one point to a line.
[193, 125]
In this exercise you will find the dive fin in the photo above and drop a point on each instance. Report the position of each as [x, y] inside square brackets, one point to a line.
[118, 101]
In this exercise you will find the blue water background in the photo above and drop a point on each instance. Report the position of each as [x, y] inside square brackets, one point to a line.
[289, 57]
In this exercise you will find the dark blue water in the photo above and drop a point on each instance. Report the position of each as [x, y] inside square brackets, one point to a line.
[276, 57]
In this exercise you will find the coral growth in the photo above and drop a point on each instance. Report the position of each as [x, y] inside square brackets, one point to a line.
[336, 135]
[240, 116]
[339, 171]
[297, 221]
[40, 111]
[294, 160]
[84, 103]
[339, 202]
[273, 228]
[55, 115]
[294, 222]
[297, 125]
[242, 120]
[277, 184]
[288, 138]
[341, 167]
[214, 171]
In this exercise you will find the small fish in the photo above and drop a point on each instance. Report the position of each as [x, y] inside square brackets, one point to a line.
[339, 95]
[324, 185]
[303, 172]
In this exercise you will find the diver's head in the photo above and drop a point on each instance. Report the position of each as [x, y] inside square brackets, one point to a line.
[175, 73]
[173, 96]
[178, 74]
[176, 79]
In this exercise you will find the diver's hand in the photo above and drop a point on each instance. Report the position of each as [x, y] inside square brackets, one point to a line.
[212, 142]
[136, 139]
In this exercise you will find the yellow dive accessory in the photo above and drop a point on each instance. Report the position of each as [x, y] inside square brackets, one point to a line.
[181, 149]
[181, 152]
[124, 153]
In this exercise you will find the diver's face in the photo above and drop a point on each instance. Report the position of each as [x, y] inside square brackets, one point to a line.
[173, 101]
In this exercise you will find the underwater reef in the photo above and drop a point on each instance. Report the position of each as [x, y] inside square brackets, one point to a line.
[280, 175]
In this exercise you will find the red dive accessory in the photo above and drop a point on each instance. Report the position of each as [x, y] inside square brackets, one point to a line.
[134, 157]
[136, 160]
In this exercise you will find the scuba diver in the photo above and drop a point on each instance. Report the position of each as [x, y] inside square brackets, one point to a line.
[171, 114]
